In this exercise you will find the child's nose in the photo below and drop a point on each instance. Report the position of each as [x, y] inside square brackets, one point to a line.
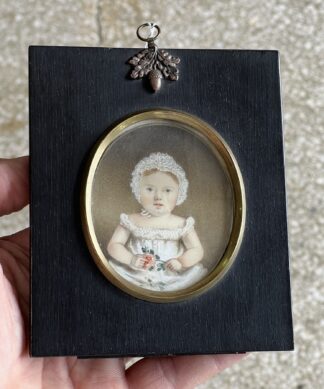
[158, 195]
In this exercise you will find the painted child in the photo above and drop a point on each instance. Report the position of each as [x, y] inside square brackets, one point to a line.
[156, 249]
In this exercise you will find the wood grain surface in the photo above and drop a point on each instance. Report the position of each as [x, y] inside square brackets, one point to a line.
[75, 95]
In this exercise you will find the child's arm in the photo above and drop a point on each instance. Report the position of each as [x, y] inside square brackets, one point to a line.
[116, 246]
[194, 252]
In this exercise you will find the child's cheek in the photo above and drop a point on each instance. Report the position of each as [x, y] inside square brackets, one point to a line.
[174, 202]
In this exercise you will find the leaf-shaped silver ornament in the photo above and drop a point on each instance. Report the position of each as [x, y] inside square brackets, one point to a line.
[153, 62]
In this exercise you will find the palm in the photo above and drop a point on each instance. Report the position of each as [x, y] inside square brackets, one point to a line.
[18, 370]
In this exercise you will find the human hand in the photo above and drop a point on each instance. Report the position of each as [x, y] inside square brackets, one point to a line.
[174, 265]
[19, 371]
[142, 261]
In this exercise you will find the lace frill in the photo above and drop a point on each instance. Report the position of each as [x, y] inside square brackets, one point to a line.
[155, 232]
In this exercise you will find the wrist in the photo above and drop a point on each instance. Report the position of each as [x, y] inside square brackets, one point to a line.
[133, 260]
[180, 261]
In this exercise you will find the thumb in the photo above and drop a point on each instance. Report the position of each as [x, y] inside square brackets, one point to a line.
[6, 328]
[14, 184]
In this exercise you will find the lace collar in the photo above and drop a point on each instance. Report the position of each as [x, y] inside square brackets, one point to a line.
[156, 232]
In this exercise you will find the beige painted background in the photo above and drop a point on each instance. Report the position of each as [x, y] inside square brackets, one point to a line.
[295, 27]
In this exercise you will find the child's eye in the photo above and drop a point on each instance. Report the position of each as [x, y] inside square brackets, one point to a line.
[149, 189]
[168, 190]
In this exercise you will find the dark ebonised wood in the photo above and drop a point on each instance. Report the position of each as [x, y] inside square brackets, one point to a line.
[75, 95]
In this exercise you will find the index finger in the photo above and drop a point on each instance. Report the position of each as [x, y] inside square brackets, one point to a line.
[14, 184]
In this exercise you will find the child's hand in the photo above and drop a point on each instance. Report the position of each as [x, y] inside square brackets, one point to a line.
[174, 265]
[143, 261]
[149, 260]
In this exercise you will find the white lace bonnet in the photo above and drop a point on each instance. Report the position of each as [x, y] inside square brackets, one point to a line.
[164, 163]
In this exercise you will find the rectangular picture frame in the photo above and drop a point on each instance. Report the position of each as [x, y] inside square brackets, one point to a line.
[79, 94]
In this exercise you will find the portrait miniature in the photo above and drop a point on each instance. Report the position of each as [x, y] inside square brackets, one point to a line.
[163, 206]
[154, 248]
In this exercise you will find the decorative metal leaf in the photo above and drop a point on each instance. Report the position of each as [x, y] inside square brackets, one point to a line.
[134, 74]
[168, 64]
[166, 73]
[134, 61]
[151, 59]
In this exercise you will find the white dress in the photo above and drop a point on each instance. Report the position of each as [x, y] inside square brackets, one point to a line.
[163, 244]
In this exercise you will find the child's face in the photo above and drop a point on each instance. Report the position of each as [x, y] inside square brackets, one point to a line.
[159, 193]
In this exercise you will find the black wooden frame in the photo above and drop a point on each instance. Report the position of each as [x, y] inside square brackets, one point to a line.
[75, 95]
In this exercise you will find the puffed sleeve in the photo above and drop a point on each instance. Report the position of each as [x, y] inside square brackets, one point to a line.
[190, 222]
[125, 222]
